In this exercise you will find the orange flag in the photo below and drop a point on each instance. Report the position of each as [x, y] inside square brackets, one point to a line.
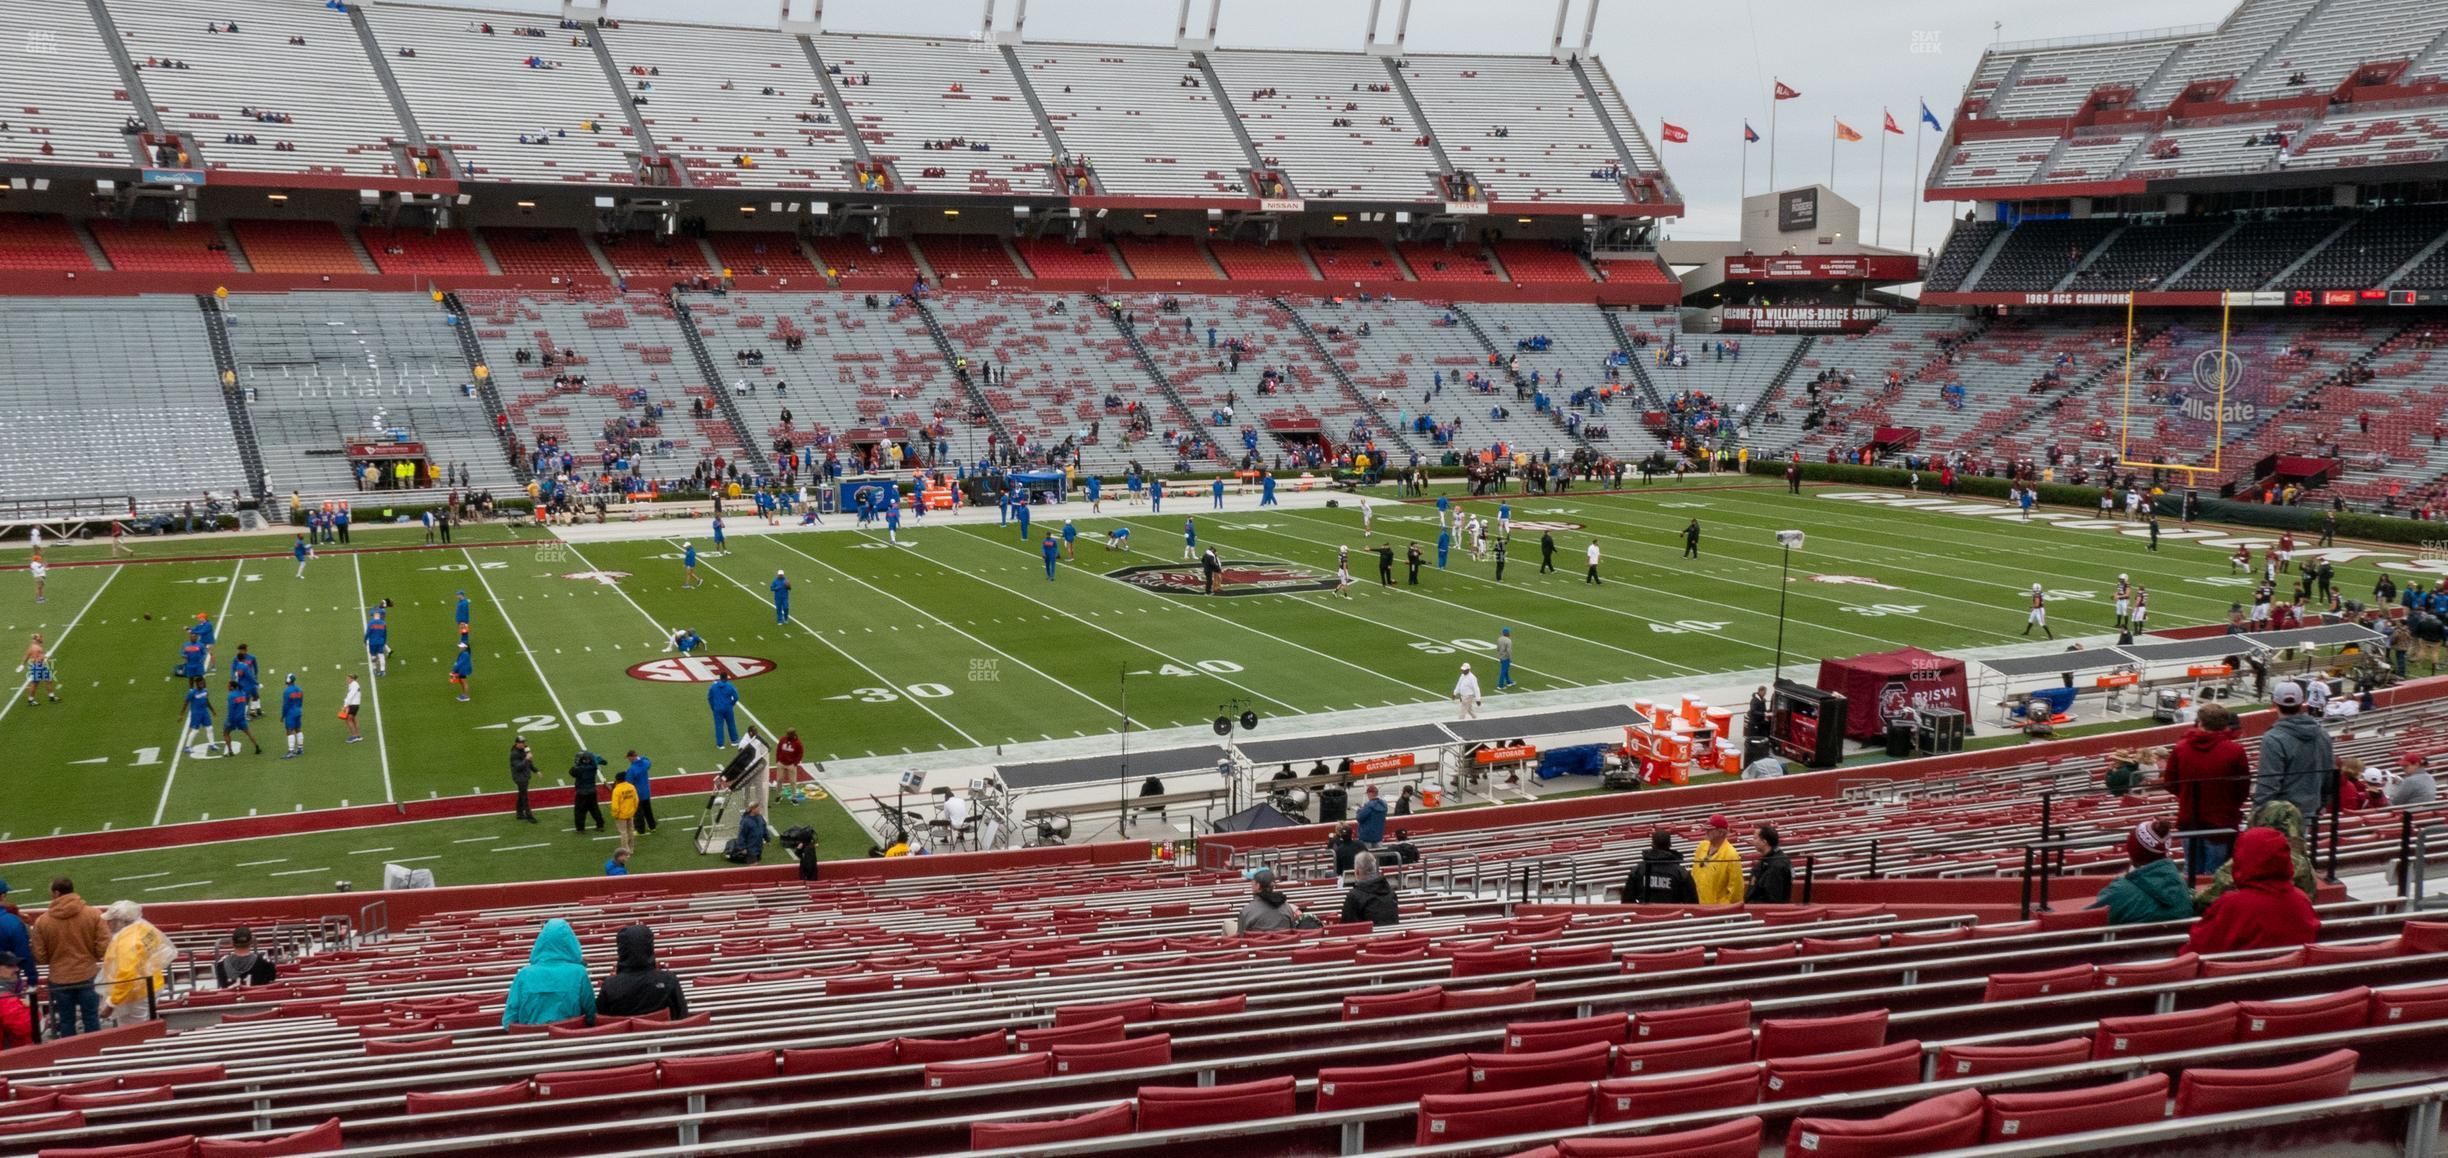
[1844, 132]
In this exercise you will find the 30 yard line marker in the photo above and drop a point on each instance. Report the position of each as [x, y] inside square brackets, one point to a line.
[171, 777]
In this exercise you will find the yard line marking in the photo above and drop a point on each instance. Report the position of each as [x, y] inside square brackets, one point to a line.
[382, 747]
[1335, 659]
[474, 839]
[300, 872]
[171, 777]
[180, 885]
[750, 592]
[56, 644]
[414, 859]
[1032, 668]
[745, 710]
[261, 863]
[567, 720]
[517, 847]
[368, 851]
[141, 877]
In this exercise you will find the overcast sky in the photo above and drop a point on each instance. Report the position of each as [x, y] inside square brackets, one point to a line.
[1705, 66]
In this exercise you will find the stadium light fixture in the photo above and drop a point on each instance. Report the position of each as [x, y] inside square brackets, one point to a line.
[276, 197]
[747, 210]
[1341, 217]
[526, 204]
[951, 212]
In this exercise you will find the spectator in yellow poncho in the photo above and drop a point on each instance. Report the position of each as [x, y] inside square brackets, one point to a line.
[1717, 868]
[137, 951]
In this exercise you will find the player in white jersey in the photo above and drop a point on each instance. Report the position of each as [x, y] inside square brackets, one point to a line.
[2039, 614]
[2124, 600]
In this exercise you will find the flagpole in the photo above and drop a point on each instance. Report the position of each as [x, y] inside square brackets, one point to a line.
[1832, 123]
[1912, 234]
[1773, 102]
[1879, 218]
[1746, 175]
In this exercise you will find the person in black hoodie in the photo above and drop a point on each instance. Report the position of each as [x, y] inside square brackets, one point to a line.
[636, 987]
[1660, 878]
[582, 795]
[1371, 897]
[1345, 845]
[1772, 873]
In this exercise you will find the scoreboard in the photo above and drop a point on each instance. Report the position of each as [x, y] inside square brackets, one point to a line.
[2330, 298]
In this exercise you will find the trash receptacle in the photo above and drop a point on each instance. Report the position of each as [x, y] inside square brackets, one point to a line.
[1899, 738]
[1756, 749]
[1333, 804]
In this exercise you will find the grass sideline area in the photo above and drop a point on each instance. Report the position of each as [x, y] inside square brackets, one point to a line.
[953, 639]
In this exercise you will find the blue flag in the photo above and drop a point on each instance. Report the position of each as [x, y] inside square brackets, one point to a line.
[1749, 136]
[1930, 119]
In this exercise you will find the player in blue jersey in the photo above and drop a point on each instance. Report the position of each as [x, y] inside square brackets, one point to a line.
[688, 566]
[781, 597]
[1189, 539]
[244, 669]
[462, 668]
[378, 641]
[293, 716]
[199, 716]
[301, 552]
[234, 724]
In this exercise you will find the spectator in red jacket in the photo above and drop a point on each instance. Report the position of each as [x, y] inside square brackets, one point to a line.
[2264, 910]
[16, 1022]
[2208, 774]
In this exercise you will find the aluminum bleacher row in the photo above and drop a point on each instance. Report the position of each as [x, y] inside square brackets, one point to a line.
[930, 1015]
[525, 100]
[136, 410]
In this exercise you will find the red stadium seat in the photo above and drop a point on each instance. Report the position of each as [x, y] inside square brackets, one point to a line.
[1513, 1071]
[2016, 1117]
[314, 1140]
[452, 1101]
[1666, 1055]
[2412, 1003]
[2203, 1090]
[1785, 1079]
[1829, 946]
[1630, 1099]
[1409, 1001]
[1482, 962]
[723, 1067]
[1739, 1138]
[580, 1083]
[1448, 1118]
[2287, 960]
[858, 986]
[1526, 991]
[2346, 1009]
[1018, 1067]
[2184, 967]
[1763, 953]
[1105, 1123]
[1170, 1010]
[1133, 1010]
[1532, 1036]
[115, 1098]
[71, 1120]
[89, 1086]
[1692, 958]
[1174, 1107]
[1971, 1061]
[609, 1027]
[1568, 956]
[2423, 937]
[842, 1058]
[176, 1076]
[2161, 1032]
[38, 1104]
[1099, 1057]
[1796, 1036]
[393, 1048]
[2340, 954]
[1947, 1122]
[2047, 982]
[2052, 920]
[1105, 1029]
[2009, 929]
[176, 1147]
[920, 1050]
[1351, 1087]
[1692, 1020]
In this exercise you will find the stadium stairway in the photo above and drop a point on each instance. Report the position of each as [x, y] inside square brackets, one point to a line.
[1129, 333]
[1555, 414]
[1400, 439]
[242, 425]
[1640, 373]
[952, 361]
[749, 446]
[480, 373]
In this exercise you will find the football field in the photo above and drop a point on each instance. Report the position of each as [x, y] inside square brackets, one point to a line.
[954, 639]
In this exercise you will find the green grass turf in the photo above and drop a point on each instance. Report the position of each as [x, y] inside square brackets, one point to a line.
[955, 640]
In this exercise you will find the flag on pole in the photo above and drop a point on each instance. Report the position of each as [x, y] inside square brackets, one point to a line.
[1750, 135]
[1674, 132]
[1786, 92]
[1891, 125]
[1929, 118]
[1844, 132]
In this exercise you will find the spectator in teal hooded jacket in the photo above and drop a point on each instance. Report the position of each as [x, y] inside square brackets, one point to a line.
[554, 986]
[2155, 889]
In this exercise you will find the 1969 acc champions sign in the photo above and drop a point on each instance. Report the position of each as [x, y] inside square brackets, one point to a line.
[700, 669]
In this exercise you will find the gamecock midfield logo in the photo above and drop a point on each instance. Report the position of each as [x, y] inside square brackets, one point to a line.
[1237, 578]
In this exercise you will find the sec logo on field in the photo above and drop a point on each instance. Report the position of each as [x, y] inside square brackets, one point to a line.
[700, 669]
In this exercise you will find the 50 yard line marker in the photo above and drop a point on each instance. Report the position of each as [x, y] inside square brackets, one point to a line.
[373, 686]
[171, 777]
[56, 644]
